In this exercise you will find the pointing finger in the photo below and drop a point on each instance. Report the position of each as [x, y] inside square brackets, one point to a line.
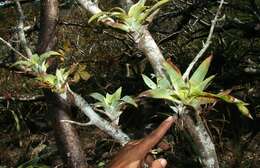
[152, 139]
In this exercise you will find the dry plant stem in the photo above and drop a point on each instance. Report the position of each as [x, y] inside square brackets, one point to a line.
[98, 121]
[12, 48]
[206, 45]
[76, 123]
[21, 33]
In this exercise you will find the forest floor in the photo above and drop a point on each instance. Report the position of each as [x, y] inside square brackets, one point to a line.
[39, 150]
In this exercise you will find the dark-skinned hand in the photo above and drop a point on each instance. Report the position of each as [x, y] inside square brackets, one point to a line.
[136, 153]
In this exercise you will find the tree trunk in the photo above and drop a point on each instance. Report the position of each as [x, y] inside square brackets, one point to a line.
[66, 136]
[198, 136]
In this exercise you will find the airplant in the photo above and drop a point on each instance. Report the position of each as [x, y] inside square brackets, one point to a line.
[111, 104]
[131, 20]
[190, 92]
[57, 82]
[38, 64]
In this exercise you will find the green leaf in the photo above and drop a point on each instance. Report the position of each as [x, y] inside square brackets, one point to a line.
[108, 99]
[163, 83]
[59, 74]
[175, 77]
[118, 15]
[200, 73]
[117, 9]
[152, 9]
[76, 77]
[120, 26]
[159, 93]
[244, 110]
[22, 62]
[203, 85]
[149, 82]
[84, 75]
[117, 94]
[35, 59]
[96, 16]
[98, 96]
[48, 54]
[42, 67]
[49, 79]
[129, 100]
[137, 9]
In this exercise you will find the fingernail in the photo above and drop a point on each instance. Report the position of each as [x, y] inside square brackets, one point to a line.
[163, 162]
[169, 119]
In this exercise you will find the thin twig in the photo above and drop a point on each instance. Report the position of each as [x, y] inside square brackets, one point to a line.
[206, 45]
[12, 48]
[77, 123]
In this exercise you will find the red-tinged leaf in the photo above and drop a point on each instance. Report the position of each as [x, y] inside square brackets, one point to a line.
[230, 99]
[200, 73]
[226, 92]
[204, 100]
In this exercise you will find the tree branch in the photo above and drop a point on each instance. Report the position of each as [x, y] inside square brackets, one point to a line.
[77, 123]
[95, 119]
[23, 98]
[21, 33]
[12, 48]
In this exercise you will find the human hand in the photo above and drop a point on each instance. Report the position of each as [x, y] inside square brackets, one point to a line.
[135, 153]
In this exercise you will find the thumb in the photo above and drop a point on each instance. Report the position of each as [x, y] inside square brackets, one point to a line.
[159, 163]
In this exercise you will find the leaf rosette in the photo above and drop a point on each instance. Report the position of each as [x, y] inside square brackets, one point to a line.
[190, 92]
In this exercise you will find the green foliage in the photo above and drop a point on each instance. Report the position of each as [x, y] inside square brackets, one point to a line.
[172, 87]
[131, 20]
[57, 83]
[111, 104]
[37, 63]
